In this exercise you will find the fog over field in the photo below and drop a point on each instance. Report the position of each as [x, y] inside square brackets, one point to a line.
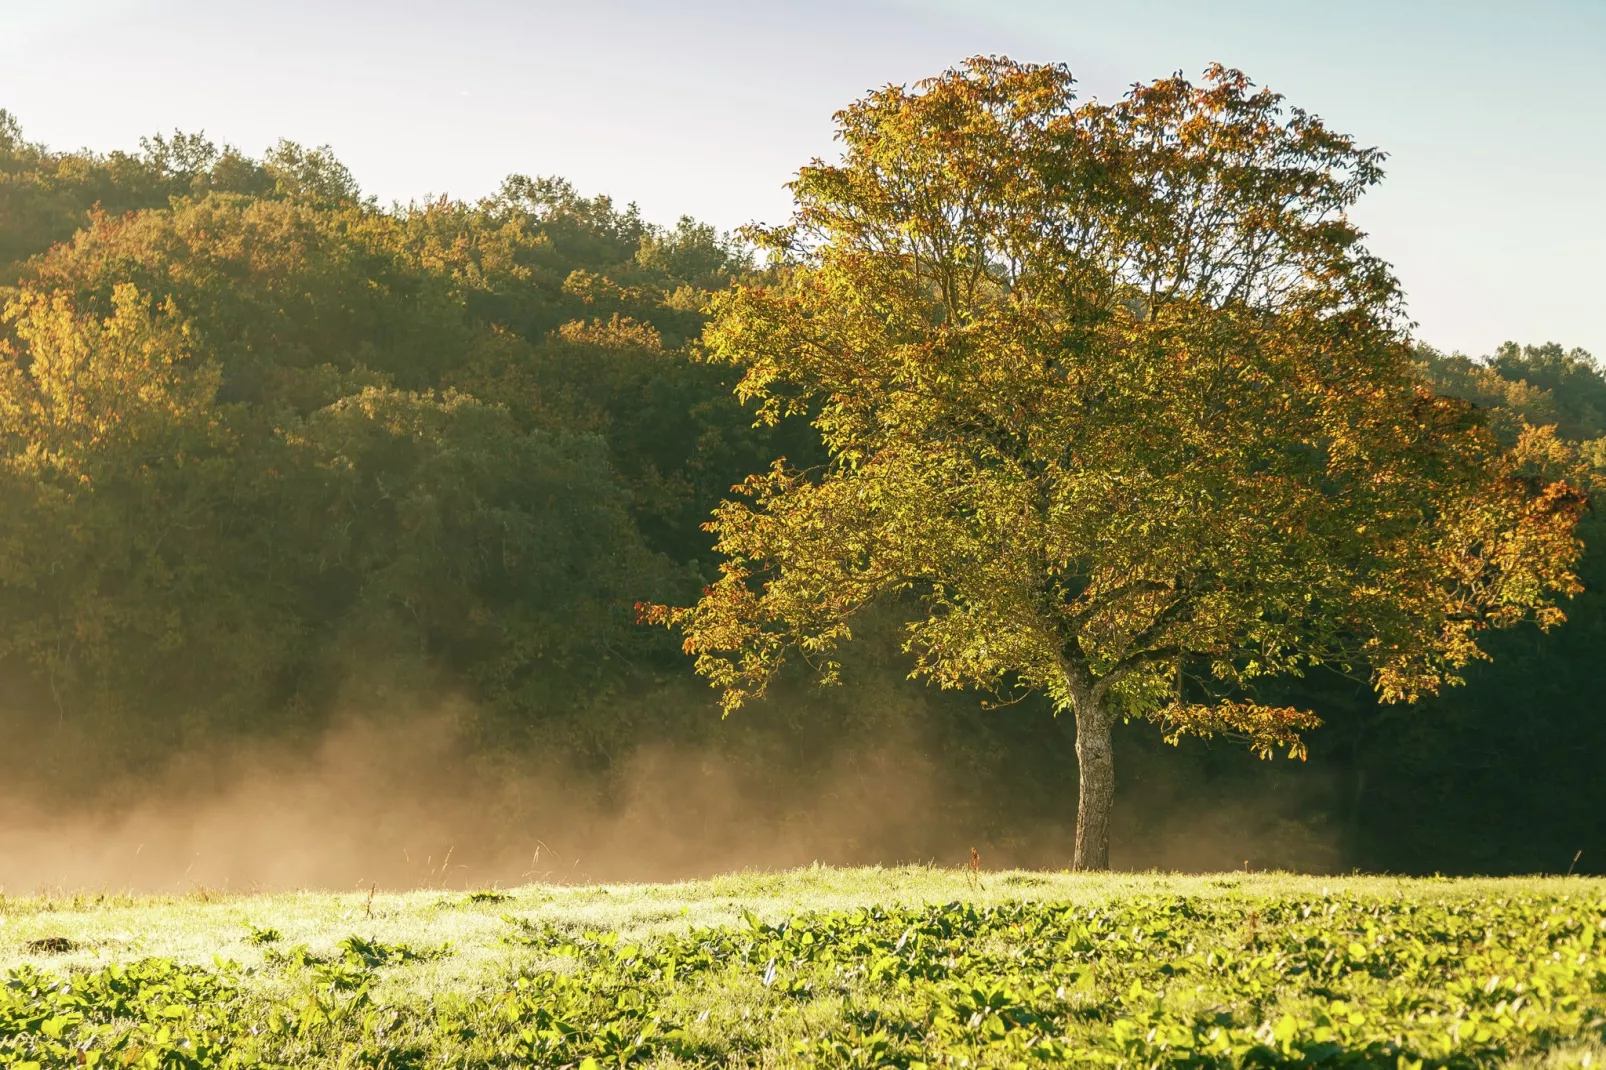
[406, 803]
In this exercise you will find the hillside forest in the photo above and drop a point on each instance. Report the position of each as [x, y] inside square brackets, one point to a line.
[272, 452]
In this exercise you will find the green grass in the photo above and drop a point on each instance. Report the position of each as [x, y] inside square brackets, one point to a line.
[820, 967]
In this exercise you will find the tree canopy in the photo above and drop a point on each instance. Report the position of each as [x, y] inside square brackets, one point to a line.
[260, 435]
[1120, 409]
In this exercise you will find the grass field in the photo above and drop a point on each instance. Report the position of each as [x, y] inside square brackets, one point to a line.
[820, 967]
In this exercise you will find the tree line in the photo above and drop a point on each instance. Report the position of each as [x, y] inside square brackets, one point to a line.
[266, 441]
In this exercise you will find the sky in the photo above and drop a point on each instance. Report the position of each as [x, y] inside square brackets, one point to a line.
[1493, 114]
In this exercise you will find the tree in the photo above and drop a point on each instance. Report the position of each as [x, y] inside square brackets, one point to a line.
[1119, 408]
[300, 304]
[1573, 378]
[134, 557]
[443, 533]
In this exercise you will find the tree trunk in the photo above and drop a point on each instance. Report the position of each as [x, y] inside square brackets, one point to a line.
[1095, 762]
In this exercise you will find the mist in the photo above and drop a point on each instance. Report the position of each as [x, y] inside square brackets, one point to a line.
[410, 800]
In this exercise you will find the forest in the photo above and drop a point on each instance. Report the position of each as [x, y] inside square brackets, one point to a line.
[271, 451]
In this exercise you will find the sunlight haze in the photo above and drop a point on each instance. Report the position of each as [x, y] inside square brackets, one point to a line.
[1493, 115]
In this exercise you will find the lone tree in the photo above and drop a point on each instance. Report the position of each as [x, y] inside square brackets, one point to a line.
[1117, 407]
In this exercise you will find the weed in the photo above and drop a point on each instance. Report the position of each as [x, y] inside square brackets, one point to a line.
[50, 945]
[267, 935]
[973, 872]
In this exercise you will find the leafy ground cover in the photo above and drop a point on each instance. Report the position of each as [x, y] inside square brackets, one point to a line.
[826, 968]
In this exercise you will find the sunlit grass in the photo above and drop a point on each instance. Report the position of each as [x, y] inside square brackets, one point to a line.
[195, 926]
[453, 967]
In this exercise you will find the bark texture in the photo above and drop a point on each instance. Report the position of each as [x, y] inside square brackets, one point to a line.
[1095, 761]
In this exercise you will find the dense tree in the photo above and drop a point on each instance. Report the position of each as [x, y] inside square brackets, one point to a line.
[133, 549]
[267, 448]
[237, 470]
[1119, 407]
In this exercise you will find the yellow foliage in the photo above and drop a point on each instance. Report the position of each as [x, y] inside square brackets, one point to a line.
[1112, 390]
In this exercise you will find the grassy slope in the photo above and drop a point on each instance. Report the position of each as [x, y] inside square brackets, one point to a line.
[195, 927]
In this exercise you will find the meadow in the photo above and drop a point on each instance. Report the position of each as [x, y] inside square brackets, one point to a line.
[822, 967]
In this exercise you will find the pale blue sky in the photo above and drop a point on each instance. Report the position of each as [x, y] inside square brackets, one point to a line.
[1494, 114]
